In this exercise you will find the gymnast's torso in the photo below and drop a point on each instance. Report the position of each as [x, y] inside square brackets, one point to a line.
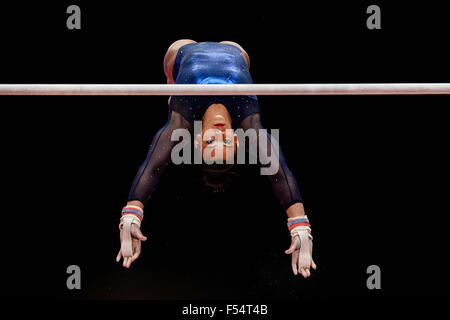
[212, 63]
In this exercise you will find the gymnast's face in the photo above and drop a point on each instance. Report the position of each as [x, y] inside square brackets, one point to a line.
[219, 146]
[218, 142]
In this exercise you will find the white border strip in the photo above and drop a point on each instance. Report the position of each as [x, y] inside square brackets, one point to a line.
[224, 89]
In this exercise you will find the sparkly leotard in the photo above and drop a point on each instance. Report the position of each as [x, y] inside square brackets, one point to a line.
[212, 63]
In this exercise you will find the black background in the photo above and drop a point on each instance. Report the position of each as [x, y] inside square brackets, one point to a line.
[372, 169]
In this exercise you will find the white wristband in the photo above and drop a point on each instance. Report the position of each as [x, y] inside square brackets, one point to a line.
[132, 219]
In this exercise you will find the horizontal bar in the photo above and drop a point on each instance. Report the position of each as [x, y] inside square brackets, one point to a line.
[224, 89]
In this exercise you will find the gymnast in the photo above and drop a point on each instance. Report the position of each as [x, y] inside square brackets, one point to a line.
[226, 62]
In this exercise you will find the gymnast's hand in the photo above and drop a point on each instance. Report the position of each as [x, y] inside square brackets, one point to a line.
[130, 235]
[301, 246]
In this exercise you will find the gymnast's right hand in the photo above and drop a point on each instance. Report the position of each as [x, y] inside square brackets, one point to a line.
[130, 234]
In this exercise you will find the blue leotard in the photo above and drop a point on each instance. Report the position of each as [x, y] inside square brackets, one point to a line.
[212, 63]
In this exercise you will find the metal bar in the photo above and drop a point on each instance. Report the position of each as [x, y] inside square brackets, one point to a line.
[224, 89]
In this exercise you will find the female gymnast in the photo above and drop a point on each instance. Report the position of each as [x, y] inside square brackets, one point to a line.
[189, 62]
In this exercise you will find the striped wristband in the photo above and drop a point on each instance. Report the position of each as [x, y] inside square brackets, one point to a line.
[298, 222]
[133, 210]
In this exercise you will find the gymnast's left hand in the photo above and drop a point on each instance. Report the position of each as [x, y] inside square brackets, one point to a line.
[301, 250]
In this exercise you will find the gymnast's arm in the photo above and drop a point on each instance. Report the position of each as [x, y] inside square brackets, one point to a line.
[156, 161]
[144, 184]
[286, 189]
[283, 181]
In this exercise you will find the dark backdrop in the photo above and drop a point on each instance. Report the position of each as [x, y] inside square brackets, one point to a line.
[372, 169]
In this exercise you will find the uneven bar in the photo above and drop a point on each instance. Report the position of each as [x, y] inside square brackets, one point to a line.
[223, 89]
